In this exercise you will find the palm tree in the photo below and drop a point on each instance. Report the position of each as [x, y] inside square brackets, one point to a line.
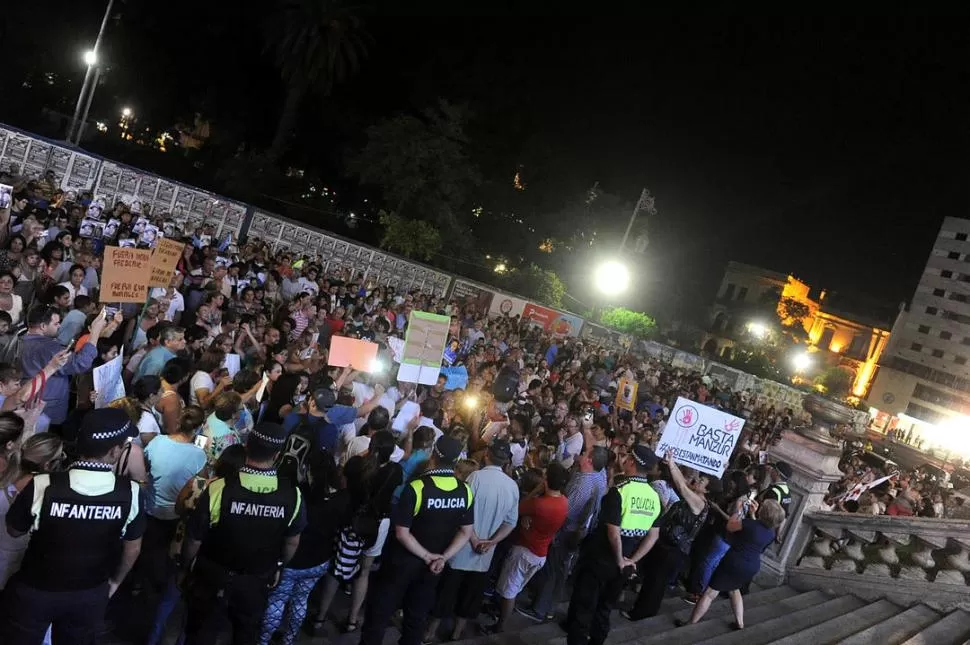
[315, 44]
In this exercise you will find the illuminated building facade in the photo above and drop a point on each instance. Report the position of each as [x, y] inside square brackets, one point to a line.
[923, 381]
[749, 294]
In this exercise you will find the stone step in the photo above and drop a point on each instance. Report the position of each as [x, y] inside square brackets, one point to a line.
[758, 631]
[897, 629]
[718, 620]
[624, 631]
[834, 630]
[952, 629]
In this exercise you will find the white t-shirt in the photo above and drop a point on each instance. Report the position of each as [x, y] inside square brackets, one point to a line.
[309, 286]
[425, 421]
[147, 424]
[519, 452]
[200, 381]
[363, 393]
[571, 448]
[176, 304]
[75, 291]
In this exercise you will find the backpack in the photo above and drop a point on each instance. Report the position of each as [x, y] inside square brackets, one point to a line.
[294, 461]
[506, 385]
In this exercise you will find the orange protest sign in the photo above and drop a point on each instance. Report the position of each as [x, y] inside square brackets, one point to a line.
[124, 277]
[626, 394]
[164, 260]
[344, 351]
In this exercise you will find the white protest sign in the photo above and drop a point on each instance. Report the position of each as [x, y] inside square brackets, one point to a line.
[700, 437]
[232, 363]
[108, 382]
[405, 415]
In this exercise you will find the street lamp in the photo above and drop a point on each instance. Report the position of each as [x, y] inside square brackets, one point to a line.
[802, 361]
[757, 329]
[612, 278]
[90, 58]
[126, 112]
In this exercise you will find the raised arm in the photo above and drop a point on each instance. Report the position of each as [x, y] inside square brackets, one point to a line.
[695, 501]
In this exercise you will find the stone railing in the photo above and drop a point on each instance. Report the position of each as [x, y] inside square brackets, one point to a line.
[873, 556]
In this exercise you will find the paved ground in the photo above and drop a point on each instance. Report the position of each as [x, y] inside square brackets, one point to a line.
[129, 618]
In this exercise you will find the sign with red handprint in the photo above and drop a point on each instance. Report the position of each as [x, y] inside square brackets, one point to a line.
[700, 436]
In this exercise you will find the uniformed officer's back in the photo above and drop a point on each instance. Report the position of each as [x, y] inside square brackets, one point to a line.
[86, 526]
[432, 521]
[243, 531]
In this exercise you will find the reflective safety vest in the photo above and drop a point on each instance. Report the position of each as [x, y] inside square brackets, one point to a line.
[441, 506]
[640, 507]
[781, 494]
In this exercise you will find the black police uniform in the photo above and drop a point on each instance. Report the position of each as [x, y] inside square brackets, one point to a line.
[242, 522]
[77, 521]
[434, 507]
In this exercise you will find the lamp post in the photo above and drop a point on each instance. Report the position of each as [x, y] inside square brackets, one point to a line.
[87, 107]
[91, 59]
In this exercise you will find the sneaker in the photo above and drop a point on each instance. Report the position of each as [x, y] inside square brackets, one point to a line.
[691, 598]
[531, 614]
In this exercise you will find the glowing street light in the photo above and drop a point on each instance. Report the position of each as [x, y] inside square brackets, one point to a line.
[757, 329]
[802, 361]
[126, 112]
[612, 278]
[90, 58]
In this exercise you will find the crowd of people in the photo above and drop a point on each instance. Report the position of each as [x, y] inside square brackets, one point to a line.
[244, 477]
[876, 486]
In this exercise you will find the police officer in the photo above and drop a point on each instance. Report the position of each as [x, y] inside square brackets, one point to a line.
[86, 526]
[432, 521]
[780, 473]
[623, 536]
[243, 531]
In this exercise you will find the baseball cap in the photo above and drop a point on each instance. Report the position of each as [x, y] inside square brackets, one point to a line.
[447, 449]
[644, 456]
[500, 452]
[325, 398]
[103, 429]
[784, 468]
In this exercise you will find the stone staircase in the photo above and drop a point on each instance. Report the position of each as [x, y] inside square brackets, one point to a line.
[780, 615]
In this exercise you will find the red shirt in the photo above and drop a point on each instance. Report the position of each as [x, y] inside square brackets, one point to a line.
[336, 325]
[548, 514]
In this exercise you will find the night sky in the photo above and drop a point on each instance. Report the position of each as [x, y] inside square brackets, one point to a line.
[831, 149]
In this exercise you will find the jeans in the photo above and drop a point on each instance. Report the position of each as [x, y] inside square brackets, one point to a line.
[715, 553]
[552, 579]
[286, 608]
[166, 605]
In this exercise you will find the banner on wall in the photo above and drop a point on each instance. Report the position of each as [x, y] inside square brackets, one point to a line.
[700, 437]
[505, 305]
[467, 292]
[552, 321]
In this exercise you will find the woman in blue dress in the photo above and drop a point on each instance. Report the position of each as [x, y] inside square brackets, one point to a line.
[748, 538]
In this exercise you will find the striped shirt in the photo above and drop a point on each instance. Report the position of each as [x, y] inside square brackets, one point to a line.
[584, 492]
